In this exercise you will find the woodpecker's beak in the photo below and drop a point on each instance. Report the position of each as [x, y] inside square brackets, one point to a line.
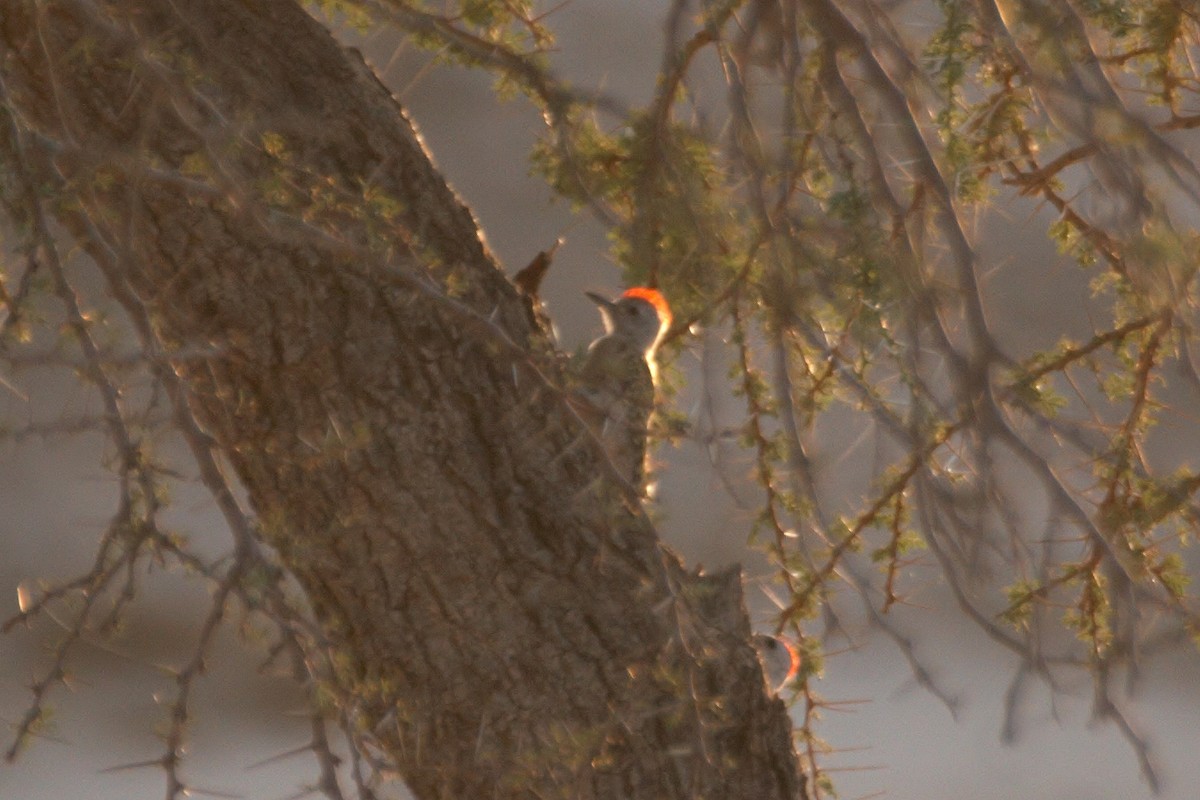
[601, 300]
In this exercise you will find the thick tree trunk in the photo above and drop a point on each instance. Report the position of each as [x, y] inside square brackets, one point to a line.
[510, 628]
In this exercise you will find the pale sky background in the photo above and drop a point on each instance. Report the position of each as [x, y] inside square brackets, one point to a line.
[892, 736]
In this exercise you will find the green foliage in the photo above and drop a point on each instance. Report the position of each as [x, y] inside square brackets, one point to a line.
[351, 12]
[667, 191]
[905, 542]
[1115, 16]
[1091, 617]
[1071, 241]
[1041, 396]
[1021, 597]
[594, 163]
[1172, 572]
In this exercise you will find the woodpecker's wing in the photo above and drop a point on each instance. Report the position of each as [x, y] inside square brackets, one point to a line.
[616, 383]
[615, 370]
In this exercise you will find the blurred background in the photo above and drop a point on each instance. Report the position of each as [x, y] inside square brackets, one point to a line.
[891, 736]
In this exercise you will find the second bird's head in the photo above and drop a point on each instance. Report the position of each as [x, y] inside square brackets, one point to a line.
[640, 315]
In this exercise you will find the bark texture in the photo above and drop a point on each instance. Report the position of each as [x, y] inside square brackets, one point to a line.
[511, 627]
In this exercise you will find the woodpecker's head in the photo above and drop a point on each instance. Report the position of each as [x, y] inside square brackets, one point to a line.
[640, 315]
[780, 660]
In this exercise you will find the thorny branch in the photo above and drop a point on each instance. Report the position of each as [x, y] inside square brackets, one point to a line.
[994, 402]
[134, 535]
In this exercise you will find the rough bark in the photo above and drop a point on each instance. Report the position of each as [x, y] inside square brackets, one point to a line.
[511, 626]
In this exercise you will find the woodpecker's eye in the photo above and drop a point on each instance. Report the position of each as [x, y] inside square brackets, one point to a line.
[632, 310]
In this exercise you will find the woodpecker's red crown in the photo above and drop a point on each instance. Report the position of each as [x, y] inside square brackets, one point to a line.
[654, 298]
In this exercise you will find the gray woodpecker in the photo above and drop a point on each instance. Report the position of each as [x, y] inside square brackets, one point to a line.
[619, 374]
[780, 661]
